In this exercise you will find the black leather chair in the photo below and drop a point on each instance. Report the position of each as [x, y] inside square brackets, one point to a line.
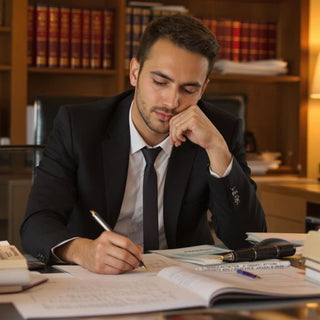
[234, 104]
[46, 109]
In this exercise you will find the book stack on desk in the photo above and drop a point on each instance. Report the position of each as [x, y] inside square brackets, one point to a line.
[311, 254]
[14, 273]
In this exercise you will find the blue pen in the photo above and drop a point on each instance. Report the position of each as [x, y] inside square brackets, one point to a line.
[248, 274]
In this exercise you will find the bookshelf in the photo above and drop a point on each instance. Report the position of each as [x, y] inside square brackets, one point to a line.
[277, 106]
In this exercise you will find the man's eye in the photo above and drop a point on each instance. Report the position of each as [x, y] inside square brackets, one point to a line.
[188, 91]
[159, 83]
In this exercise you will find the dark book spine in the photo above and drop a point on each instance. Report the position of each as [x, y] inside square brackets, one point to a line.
[136, 29]
[31, 35]
[128, 52]
[96, 39]
[145, 19]
[85, 43]
[263, 41]
[2, 11]
[108, 39]
[64, 43]
[41, 34]
[75, 38]
[272, 40]
[53, 37]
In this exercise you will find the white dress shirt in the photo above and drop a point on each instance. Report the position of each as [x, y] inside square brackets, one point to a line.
[130, 221]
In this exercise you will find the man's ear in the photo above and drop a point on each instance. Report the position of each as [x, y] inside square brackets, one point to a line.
[134, 71]
[204, 86]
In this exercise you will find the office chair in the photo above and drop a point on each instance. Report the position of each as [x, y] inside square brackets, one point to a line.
[233, 104]
[46, 109]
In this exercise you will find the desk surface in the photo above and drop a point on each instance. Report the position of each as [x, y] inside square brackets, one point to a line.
[281, 310]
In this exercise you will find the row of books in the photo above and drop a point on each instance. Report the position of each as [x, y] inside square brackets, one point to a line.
[63, 37]
[244, 40]
[138, 15]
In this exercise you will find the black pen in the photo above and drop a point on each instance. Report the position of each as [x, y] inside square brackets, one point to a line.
[106, 227]
[260, 253]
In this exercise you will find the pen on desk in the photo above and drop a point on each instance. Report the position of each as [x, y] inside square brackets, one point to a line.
[260, 253]
[105, 226]
[248, 274]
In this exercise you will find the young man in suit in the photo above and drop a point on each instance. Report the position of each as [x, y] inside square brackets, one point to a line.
[94, 160]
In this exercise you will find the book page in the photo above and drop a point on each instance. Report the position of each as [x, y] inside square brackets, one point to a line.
[289, 282]
[71, 297]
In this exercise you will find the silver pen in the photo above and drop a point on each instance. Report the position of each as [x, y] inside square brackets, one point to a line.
[106, 227]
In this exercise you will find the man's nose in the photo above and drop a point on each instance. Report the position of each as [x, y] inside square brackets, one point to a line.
[172, 98]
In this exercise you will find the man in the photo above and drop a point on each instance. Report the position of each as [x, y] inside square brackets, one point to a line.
[94, 160]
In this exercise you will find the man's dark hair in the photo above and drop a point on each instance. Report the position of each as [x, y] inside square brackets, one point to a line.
[182, 30]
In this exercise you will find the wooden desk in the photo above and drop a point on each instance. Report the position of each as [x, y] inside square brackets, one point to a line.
[253, 310]
[287, 201]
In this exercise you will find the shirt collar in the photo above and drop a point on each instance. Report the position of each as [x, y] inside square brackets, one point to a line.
[137, 142]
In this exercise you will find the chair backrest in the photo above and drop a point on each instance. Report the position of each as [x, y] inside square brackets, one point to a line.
[234, 104]
[46, 109]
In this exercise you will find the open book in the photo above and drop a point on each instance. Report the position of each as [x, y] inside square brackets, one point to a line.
[172, 288]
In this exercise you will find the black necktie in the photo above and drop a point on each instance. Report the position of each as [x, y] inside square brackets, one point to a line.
[150, 201]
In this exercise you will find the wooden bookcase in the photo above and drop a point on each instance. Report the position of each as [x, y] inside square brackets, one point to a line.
[277, 106]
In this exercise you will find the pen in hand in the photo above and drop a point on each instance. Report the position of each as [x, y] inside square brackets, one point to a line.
[105, 226]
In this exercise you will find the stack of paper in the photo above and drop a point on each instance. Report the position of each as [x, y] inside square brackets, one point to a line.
[312, 256]
[201, 255]
[14, 273]
[261, 67]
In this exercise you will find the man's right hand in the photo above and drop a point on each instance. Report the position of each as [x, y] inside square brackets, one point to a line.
[110, 253]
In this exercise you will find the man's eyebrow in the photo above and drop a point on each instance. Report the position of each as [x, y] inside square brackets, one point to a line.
[187, 84]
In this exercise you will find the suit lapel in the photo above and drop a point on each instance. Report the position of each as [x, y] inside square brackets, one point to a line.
[179, 168]
[115, 150]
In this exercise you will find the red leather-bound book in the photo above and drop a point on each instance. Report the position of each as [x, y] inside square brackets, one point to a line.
[213, 26]
[272, 40]
[53, 37]
[206, 22]
[253, 41]
[108, 39]
[96, 39]
[235, 42]
[85, 43]
[31, 35]
[41, 33]
[244, 41]
[75, 45]
[64, 39]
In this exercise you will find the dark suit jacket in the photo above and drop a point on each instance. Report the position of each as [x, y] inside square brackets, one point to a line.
[85, 167]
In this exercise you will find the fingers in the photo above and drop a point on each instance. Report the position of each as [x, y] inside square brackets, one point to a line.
[186, 125]
[112, 253]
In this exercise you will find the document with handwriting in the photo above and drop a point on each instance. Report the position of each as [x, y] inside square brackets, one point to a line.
[172, 288]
